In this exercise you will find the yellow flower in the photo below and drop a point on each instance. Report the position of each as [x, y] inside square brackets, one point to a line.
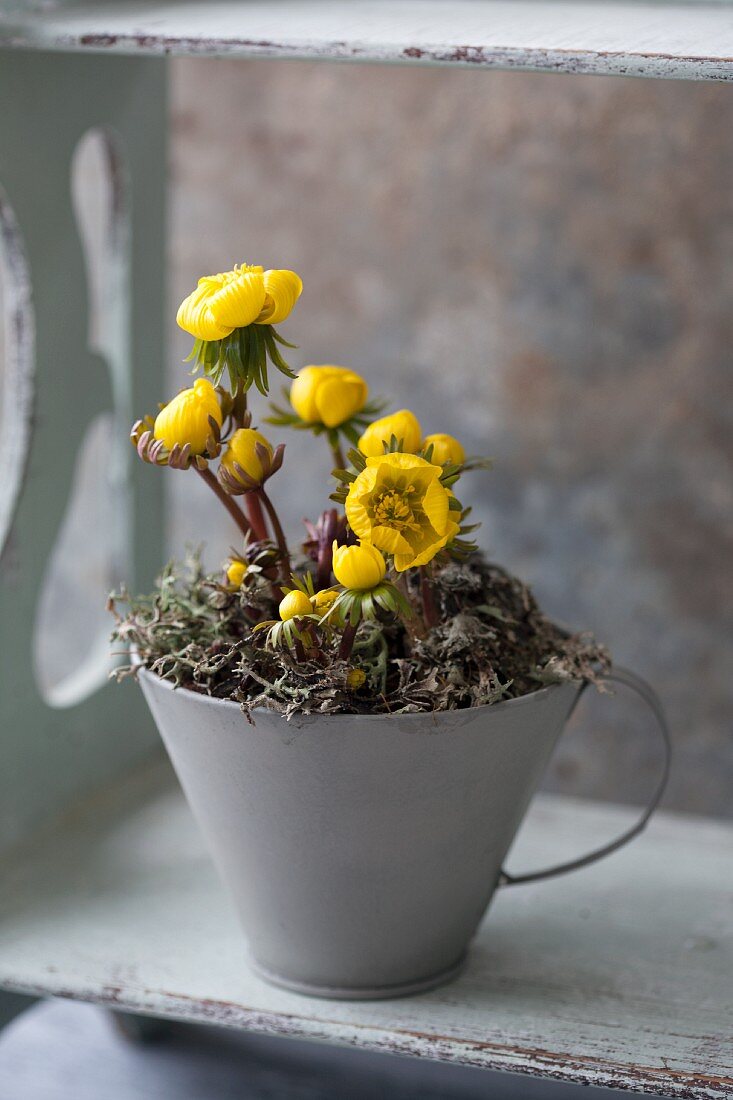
[294, 605]
[236, 572]
[328, 395]
[185, 419]
[234, 299]
[403, 425]
[400, 505]
[446, 448]
[324, 600]
[248, 454]
[358, 567]
[355, 679]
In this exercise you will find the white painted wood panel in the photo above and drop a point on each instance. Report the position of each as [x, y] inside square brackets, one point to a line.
[619, 975]
[693, 40]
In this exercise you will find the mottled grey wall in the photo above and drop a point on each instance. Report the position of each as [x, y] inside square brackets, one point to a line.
[542, 266]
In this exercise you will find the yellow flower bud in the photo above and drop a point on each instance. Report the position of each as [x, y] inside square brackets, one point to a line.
[236, 572]
[244, 296]
[355, 679]
[295, 604]
[323, 601]
[358, 567]
[403, 425]
[248, 453]
[185, 420]
[328, 395]
[446, 448]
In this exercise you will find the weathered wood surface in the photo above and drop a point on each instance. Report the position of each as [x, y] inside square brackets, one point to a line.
[620, 975]
[63, 1041]
[692, 41]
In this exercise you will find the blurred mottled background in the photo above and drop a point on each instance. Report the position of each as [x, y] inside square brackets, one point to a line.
[543, 267]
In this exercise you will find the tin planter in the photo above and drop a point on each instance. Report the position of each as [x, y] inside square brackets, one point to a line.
[363, 851]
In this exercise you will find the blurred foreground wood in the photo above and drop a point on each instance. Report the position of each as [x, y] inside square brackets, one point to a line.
[616, 976]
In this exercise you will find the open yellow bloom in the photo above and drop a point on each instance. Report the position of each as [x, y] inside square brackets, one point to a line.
[294, 605]
[358, 568]
[399, 504]
[403, 425]
[446, 448]
[246, 295]
[324, 600]
[328, 395]
[185, 420]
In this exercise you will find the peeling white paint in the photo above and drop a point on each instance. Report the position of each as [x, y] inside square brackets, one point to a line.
[683, 41]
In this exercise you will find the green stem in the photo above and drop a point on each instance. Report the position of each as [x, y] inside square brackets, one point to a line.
[229, 503]
[338, 456]
[239, 405]
[278, 532]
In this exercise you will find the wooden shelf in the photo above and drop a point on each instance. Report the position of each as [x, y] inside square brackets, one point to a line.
[678, 40]
[618, 975]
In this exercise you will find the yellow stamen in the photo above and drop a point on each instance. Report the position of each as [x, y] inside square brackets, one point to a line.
[392, 509]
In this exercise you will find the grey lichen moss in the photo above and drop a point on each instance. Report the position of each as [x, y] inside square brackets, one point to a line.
[492, 643]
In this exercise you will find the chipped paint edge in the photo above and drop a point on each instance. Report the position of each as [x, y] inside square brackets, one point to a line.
[572, 62]
[529, 1061]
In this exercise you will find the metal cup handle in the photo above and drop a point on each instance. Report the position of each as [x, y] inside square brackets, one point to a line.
[650, 697]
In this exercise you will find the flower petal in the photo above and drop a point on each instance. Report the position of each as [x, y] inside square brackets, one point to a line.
[194, 315]
[303, 394]
[435, 505]
[282, 290]
[401, 461]
[446, 448]
[358, 515]
[184, 421]
[358, 567]
[427, 554]
[239, 302]
[337, 399]
[403, 561]
[389, 539]
[403, 425]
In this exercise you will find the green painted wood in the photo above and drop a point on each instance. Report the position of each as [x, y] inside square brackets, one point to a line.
[49, 756]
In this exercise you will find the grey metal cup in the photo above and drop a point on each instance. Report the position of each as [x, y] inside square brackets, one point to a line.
[361, 851]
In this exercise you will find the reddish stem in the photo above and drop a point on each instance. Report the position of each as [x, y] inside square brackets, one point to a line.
[256, 516]
[278, 531]
[347, 641]
[325, 549]
[429, 610]
[229, 503]
[414, 624]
